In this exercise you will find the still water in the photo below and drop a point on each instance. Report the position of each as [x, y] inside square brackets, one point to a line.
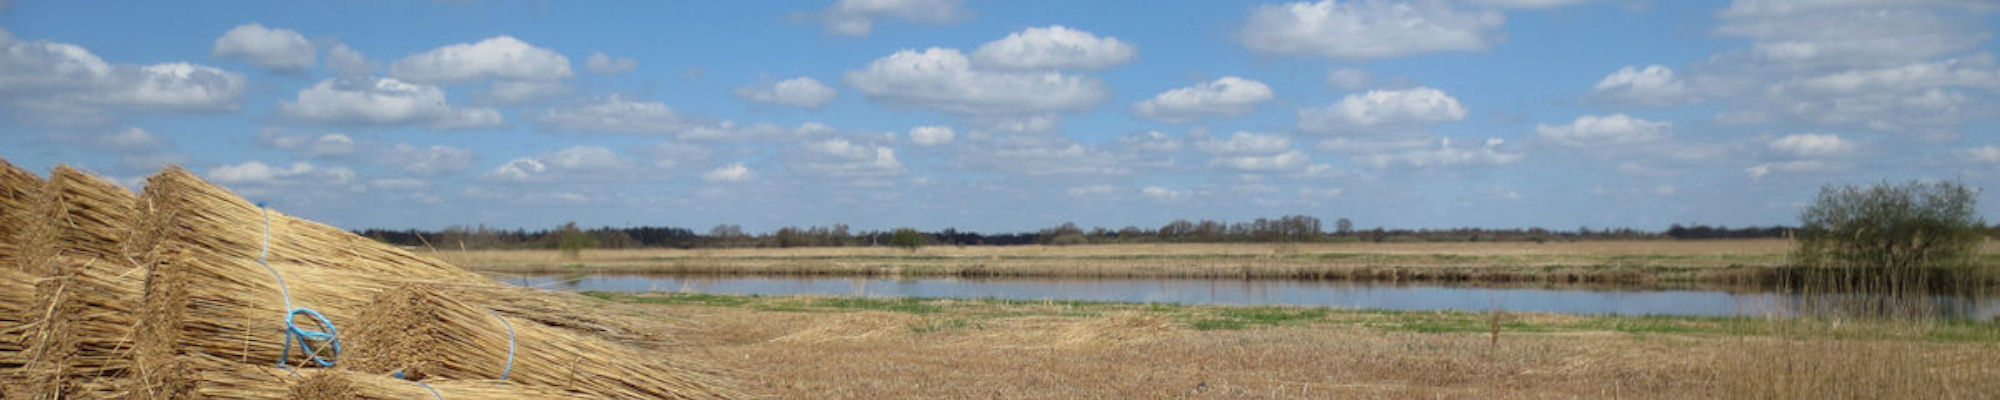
[1339, 294]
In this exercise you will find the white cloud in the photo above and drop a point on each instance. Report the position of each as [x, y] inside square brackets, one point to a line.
[1289, 160]
[434, 160]
[1092, 191]
[1228, 96]
[1444, 154]
[1054, 46]
[616, 114]
[1812, 145]
[799, 92]
[1368, 29]
[1152, 141]
[383, 102]
[329, 145]
[1851, 33]
[275, 49]
[1160, 193]
[842, 158]
[1600, 131]
[675, 154]
[398, 183]
[1761, 170]
[1654, 85]
[1246, 143]
[62, 84]
[729, 173]
[519, 92]
[568, 164]
[500, 57]
[599, 63]
[346, 61]
[1383, 109]
[931, 135]
[299, 173]
[131, 140]
[1348, 78]
[943, 79]
[1986, 154]
[857, 17]
[1041, 155]
[1529, 3]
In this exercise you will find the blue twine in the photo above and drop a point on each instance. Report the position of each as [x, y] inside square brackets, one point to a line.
[292, 330]
[504, 373]
[434, 391]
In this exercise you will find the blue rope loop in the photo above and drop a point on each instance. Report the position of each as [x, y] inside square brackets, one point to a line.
[293, 333]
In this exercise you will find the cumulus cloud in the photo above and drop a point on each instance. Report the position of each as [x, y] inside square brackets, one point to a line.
[1246, 143]
[1053, 47]
[1151, 141]
[1161, 193]
[520, 92]
[729, 173]
[1228, 96]
[62, 84]
[346, 61]
[931, 135]
[568, 164]
[1289, 160]
[841, 158]
[599, 63]
[1348, 78]
[1600, 131]
[383, 102]
[1442, 154]
[617, 114]
[1985, 154]
[857, 17]
[1092, 191]
[128, 141]
[275, 49]
[331, 145]
[1761, 170]
[799, 92]
[500, 57]
[1041, 155]
[1812, 145]
[1653, 85]
[433, 160]
[1368, 29]
[299, 173]
[945, 80]
[1383, 109]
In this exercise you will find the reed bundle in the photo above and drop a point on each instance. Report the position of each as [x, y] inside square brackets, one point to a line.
[18, 190]
[344, 385]
[426, 331]
[86, 289]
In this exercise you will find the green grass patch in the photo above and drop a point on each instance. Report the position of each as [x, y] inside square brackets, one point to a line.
[911, 305]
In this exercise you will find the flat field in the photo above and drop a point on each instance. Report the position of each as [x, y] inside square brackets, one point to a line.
[1614, 262]
[808, 347]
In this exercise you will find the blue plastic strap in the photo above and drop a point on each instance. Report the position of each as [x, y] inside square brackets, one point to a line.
[434, 391]
[509, 370]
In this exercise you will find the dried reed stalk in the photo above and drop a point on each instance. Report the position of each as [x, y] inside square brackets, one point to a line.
[17, 290]
[426, 331]
[17, 192]
[18, 189]
[87, 285]
[344, 385]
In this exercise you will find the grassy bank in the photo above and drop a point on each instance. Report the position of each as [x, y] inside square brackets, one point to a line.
[1614, 262]
[837, 347]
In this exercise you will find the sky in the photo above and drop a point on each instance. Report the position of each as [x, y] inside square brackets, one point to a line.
[1004, 116]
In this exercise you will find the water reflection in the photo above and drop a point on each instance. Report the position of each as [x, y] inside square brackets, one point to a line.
[1342, 294]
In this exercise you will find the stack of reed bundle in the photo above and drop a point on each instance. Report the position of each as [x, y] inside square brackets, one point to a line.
[86, 289]
[18, 189]
[425, 331]
[343, 385]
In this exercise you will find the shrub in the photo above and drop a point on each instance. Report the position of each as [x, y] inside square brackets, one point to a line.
[1915, 236]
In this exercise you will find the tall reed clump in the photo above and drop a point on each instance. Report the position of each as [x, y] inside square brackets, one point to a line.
[425, 331]
[1890, 250]
[82, 313]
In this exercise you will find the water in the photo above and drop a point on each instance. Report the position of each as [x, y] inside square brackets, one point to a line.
[1339, 294]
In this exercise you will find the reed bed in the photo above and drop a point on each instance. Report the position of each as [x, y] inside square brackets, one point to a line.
[80, 341]
[426, 332]
[340, 385]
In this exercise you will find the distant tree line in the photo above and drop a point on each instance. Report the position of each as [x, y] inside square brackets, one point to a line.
[1291, 228]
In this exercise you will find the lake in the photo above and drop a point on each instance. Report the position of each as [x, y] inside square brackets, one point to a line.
[1337, 294]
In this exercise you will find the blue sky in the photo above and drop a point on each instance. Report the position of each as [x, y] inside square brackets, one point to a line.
[1007, 116]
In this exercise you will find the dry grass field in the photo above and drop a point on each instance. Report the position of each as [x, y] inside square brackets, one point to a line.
[911, 348]
[1648, 261]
